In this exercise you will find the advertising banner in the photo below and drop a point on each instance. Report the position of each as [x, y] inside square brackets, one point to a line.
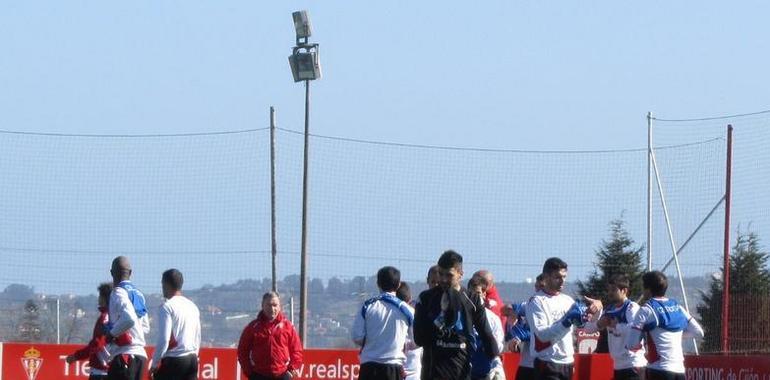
[31, 361]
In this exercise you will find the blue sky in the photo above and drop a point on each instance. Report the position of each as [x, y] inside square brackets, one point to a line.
[496, 74]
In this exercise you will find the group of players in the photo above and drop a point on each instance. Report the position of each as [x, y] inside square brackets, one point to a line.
[449, 332]
[452, 332]
[269, 347]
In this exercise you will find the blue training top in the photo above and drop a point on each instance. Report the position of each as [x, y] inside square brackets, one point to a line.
[670, 316]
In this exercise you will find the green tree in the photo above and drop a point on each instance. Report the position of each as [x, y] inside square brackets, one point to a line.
[749, 319]
[30, 328]
[616, 255]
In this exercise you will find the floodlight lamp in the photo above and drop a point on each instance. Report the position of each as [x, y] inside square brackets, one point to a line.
[302, 24]
[305, 65]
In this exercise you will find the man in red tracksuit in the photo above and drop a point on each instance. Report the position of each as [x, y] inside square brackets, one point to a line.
[269, 348]
[493, 300]
[96, 350]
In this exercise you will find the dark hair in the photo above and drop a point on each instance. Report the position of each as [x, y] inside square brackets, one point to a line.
[432, 270]
[388, 279]
[105, 288]
[554, 264]
[173, 278]
[656, 282]
[404, 293]
[540, 277]
[450, 259]
[620, 281]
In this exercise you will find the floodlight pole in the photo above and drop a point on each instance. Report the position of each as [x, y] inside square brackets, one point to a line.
[303, 249]
[273, 237]
[726, 265]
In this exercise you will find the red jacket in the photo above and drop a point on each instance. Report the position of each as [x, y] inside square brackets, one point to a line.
[269, 348]
[495, 303]
[96, 351]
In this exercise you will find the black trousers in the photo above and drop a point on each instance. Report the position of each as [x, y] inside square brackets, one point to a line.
[126, 367]
[181, 368]
[552, 371]
[656, 374]
[378, 371]
[256, 376]
[526, 373]
[629, 374]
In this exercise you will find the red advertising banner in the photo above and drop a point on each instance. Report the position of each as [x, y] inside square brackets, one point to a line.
[708, 367]
[25, 361]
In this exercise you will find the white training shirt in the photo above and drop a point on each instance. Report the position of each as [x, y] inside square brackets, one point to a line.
[665, 346]
[124, 319]
[550, 341]
[496, 325]
[383, 331]
[622, 357]
[179, 329]
[413, 363]
[526, 357]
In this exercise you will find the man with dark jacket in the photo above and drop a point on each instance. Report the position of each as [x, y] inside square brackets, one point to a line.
[445, 319]
[270, 348]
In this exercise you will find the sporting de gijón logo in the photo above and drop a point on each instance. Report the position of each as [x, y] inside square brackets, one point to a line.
[31, 361]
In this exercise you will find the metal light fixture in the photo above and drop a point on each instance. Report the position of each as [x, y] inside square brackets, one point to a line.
[303, 60]
[302, 25]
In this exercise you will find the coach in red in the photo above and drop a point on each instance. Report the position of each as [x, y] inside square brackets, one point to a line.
[269, 348]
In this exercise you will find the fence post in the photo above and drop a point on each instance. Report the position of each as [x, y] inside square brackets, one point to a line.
[726, 268]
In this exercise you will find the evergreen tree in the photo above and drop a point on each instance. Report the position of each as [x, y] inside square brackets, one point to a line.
[749, 319]
[617, 255]
[30, 328]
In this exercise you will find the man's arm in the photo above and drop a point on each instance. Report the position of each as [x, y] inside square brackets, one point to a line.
[244, 349]
[97, 342]
[295, 352]
[643, 321]
[693, 329]
[539, 326]
[482, 326]
[596, 323]
[358, 332]
[497, 330]
[423, 326]
[127, 316]
[164, 335]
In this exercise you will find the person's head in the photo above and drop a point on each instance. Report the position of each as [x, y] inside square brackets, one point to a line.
[388, 279]
[120, 270]
[540, 282]
[171, 282]
[487, 276]
[105, 289]
[617, 288]
[271, 305]
[654, 284]
[450, 269]
[404, 293]
[433, 278]
[554, 275]
[478, 285]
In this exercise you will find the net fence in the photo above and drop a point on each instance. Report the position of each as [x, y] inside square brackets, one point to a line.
[750, 221]
[201, 203]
